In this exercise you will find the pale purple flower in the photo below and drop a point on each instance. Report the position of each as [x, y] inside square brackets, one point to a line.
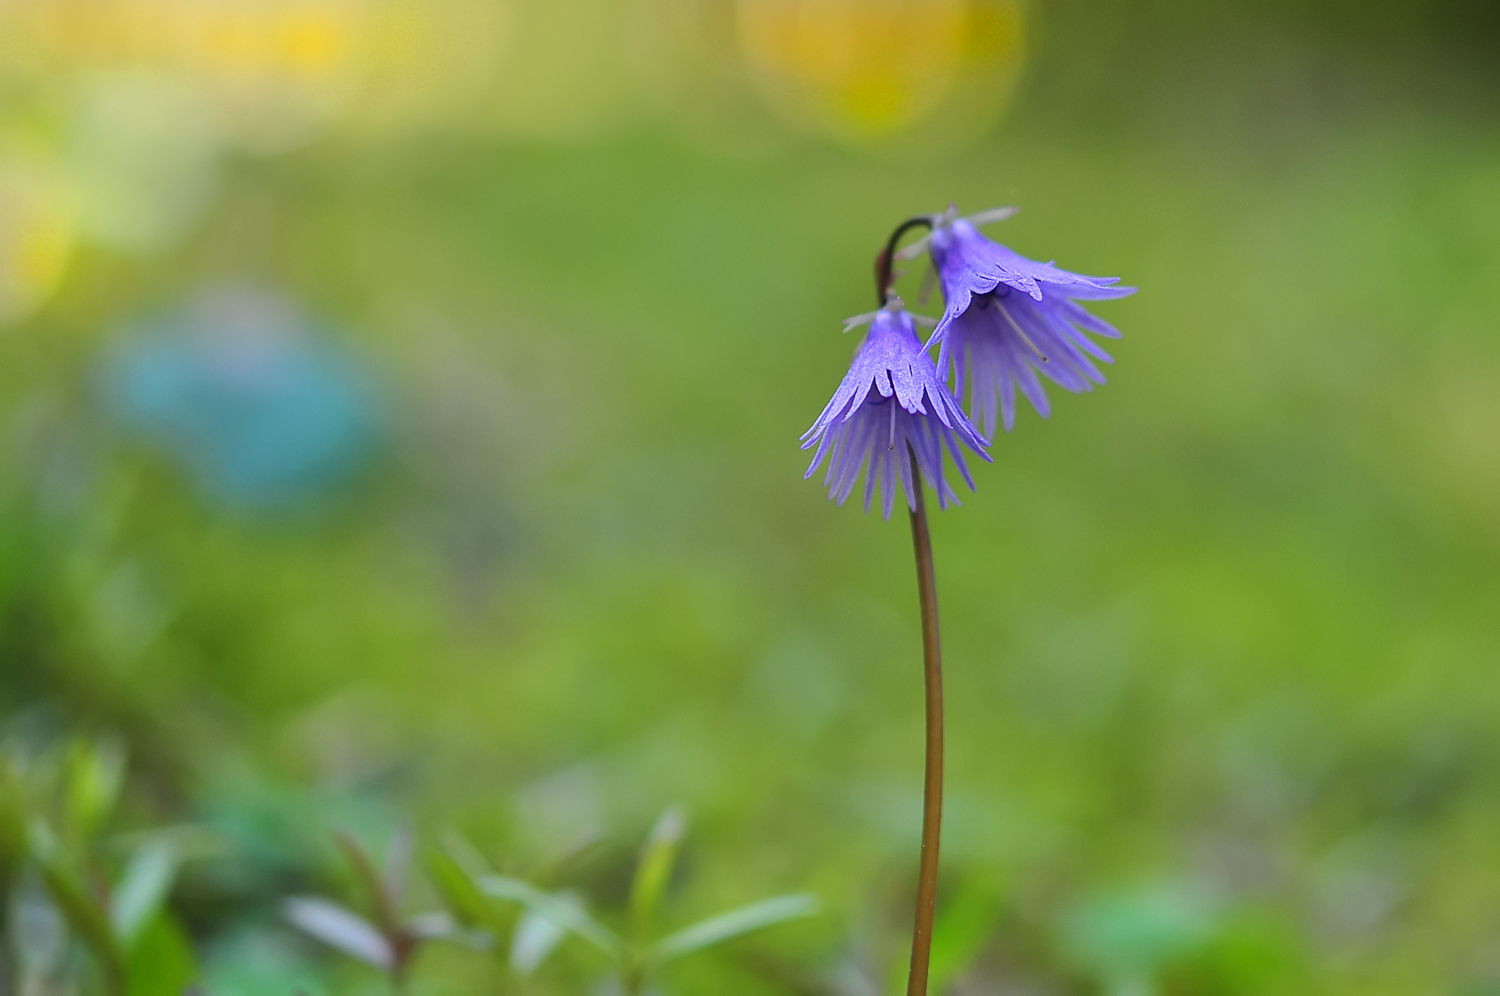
[1007, 317]
[892, 403]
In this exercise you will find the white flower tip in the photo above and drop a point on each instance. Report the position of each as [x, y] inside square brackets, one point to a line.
[992, 215]
[929, 284]
[914, 250]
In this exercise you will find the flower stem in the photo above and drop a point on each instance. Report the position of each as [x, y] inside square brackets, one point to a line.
[932, 788]
[886, 261]
[932, 667]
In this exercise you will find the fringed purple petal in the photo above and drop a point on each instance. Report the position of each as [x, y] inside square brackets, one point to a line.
[1064, 364]
[976, 272]
[1101, 290]
[1008, 319]
[892, 404]
[1074, 314]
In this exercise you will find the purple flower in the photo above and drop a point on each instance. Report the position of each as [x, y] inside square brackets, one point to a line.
[1007, 317]
[908, 411]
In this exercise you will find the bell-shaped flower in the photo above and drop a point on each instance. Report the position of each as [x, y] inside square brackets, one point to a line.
[1007, 318]
[892, 406]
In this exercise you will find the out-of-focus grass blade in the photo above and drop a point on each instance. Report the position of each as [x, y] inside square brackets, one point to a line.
[76, 904]
[468, 905]
[564, 914]
[387, 917]
[459, 893]
[340, 928]
[654, 870]
[536, 937]
[464, 854]
[142, 889]
[13, 816]
[725, 926]
[95, 772]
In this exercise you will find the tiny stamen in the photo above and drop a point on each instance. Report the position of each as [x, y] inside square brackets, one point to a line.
[1024, 337]
[894, 402]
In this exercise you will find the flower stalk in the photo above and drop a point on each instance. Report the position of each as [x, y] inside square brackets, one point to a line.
[932, 671]
[932, 784]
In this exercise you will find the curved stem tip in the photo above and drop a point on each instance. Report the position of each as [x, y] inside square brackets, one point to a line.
[887, 258]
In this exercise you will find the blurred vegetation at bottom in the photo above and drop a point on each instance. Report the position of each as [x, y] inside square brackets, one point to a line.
[1221, 636]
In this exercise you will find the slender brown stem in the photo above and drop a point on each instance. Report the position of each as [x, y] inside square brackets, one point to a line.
[886, 261]
[932, 788]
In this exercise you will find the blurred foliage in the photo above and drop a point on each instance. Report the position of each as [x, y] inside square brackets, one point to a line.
[71, 889]
[1220, 636]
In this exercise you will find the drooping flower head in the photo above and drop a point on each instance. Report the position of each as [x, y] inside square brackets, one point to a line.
[891, 404]
[1007, 317]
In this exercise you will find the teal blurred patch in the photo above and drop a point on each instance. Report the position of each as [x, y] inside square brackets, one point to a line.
[1126, 939]
[248, 395]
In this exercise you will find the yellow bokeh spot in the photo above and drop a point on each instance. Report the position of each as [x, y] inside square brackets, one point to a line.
[312, 42]
[875, 103]
[235, 39]
[41, 250]
[872, 67]
[36, 239]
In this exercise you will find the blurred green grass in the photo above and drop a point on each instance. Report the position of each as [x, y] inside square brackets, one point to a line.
[1228, 621]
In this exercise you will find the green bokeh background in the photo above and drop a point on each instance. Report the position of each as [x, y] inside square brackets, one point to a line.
[1221, 637]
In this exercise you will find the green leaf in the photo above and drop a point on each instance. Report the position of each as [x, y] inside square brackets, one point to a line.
[458, 891]
[465, 854]
[534, 939]
[95, 773]
[469, 906]
[725, 926]
[654, 870]
[161, 963]
[962, 930]
[142, 889]
[77, 905]
[559, 911]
